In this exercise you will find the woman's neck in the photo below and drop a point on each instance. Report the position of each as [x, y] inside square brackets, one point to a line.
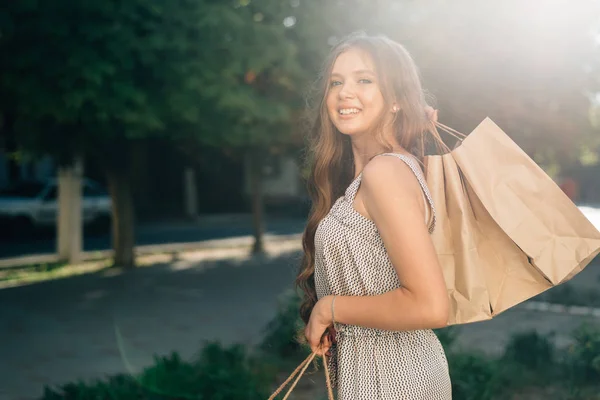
[364, 152]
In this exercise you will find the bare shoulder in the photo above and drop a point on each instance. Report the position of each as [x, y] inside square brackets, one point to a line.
[391, 177]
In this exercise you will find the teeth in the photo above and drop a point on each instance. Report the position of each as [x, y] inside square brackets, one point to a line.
[346, 111]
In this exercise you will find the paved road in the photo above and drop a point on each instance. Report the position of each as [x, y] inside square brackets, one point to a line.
[57, 331]
[157, 233]
[88, 326]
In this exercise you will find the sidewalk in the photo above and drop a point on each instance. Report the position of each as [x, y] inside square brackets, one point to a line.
[85, 327]
[222, 230]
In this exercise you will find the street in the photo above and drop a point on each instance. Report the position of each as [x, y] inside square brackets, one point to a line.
[57, 331]
[88, 326]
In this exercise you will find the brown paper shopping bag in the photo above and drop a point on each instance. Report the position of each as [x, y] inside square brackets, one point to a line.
[505, 231]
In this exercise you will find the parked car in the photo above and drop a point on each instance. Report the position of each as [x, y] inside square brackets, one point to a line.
[30, 205]
[592, 213]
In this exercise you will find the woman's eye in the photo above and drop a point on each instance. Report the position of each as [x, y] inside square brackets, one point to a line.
[364, 80]
[335, 83]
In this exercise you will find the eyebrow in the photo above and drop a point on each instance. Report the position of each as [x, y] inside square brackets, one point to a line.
[357, 72]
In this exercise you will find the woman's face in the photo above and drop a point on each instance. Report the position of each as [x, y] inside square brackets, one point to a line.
[354, 101]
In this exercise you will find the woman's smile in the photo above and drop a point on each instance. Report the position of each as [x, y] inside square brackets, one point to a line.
[347, 113]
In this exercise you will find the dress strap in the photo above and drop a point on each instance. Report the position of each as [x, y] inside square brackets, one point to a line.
[353, 188]
[414, 167]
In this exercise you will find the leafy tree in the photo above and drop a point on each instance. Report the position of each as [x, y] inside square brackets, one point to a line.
[93, 78]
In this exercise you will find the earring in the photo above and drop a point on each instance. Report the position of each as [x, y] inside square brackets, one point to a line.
[395, 109]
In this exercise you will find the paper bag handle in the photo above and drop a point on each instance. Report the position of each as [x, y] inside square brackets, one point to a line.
[300, 369]
[450, 131]
[441, 146]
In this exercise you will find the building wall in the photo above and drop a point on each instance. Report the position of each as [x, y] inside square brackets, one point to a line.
[281, 180]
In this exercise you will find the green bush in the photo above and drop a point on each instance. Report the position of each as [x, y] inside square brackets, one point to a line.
[530, 349]
[447, 336]
[584, 354]
[218, 373]
[116, 387]
[474, 377]
[281, 333]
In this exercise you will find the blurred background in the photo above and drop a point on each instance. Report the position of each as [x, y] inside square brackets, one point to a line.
[152, 186]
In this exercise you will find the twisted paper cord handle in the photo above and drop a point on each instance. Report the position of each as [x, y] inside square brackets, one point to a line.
[453, 132]
[301, 368]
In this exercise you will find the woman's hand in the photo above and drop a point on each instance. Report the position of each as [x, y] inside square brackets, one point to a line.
[319, 331]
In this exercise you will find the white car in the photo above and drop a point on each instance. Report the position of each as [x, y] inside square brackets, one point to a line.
[35, 204]
[592, 213]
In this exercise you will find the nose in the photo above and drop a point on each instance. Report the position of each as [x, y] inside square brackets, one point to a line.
[346, 92]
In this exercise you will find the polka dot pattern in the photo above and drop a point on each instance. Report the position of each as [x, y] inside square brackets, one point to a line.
[366, 363]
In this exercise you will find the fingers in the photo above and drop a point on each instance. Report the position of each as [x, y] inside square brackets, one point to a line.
[319, 345]
[322, 348]
[332, 334]
[326, 341]
[313, 340]
[326, 344]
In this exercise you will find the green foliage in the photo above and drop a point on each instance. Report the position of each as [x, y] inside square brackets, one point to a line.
[530, 368]
[229, 74]
[230, 374]
[584, 354]
[115, 387]
[111, 72]
[282, 331]
[217, 374]
[530, 349]
[474, 377]
[173, 377]
[447, 336]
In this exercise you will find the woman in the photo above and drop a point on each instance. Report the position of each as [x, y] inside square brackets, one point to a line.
[370, 273]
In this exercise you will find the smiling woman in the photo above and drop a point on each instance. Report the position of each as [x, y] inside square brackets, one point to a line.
[373, 286]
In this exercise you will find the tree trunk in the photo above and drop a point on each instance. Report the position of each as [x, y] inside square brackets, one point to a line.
[69, 222]
[190, 193]
[256, 190]
[123, 228]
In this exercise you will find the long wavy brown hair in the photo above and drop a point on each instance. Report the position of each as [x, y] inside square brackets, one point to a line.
[329, 154]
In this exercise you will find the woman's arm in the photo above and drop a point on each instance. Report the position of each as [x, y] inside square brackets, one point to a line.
[393, 199]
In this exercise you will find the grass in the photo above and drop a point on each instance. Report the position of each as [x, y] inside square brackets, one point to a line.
[30, 273]
[16, 276]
